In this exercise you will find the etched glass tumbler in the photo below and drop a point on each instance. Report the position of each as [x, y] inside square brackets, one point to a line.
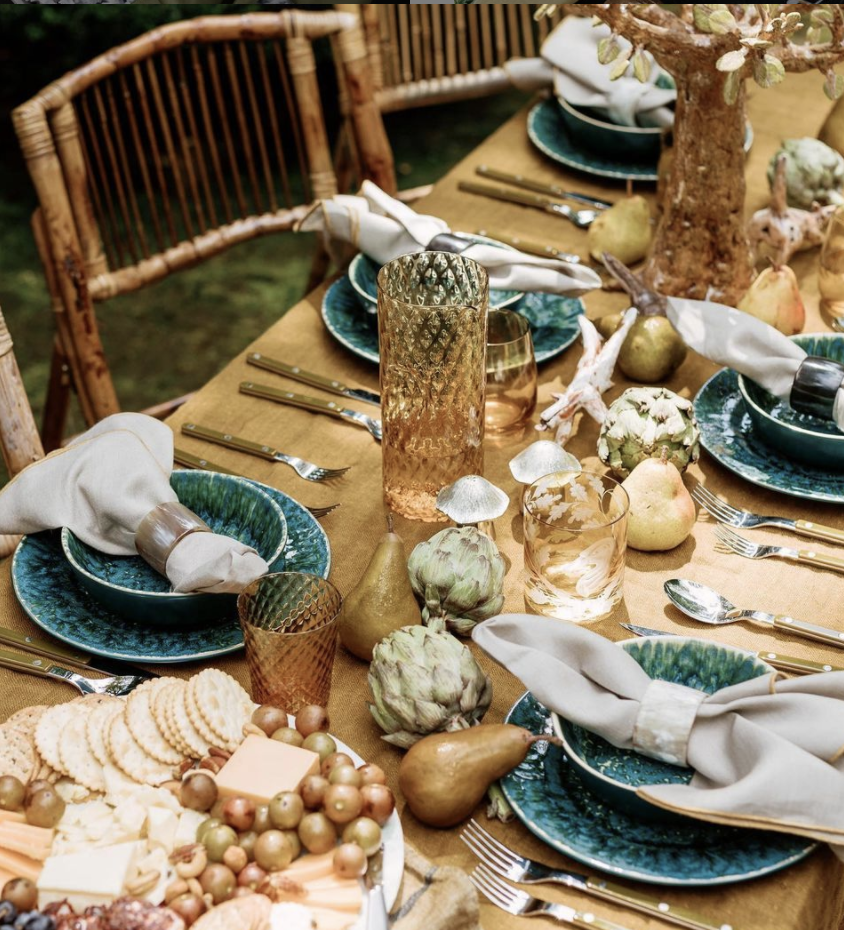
[432, 329]
[575, 545]
[510, 372]
[289, 622]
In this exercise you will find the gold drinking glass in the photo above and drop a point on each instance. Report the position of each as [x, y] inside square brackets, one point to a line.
[831, 272]
[289, 625]
[575, 543]
[432, 312]
[510, 372]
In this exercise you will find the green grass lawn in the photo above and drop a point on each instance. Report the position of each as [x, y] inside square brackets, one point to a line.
[171, 337]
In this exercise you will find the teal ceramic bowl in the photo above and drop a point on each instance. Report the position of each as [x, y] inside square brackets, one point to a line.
[799, 437]
[590, 129]
[363, 274]
[131, 588]
[614, 774]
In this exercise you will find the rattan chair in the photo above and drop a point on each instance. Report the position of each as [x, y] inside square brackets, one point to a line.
[19, 440]
[169, 149]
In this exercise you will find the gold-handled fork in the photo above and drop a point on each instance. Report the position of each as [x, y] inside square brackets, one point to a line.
[750, 550]
[521, 904]
[501, 859]
[725, 513]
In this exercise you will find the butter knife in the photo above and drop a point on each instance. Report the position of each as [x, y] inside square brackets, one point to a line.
[53, 650]
[318, 381]
[314, 404]
[519, 180]
[196, 461]
[775, 659]
[376, 906]
[532, 248]
[580, 218]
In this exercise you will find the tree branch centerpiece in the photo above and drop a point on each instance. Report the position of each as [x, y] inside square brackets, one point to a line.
[701, 247]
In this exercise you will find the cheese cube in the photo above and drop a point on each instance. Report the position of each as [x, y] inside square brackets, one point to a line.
[161, 828]
[259, 768]
[156, 861]
[94, 876]
[189, 822]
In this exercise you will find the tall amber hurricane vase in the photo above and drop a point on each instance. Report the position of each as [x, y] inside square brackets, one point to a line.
[432, 326]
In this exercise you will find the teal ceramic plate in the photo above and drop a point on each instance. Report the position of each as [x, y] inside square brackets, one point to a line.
[553, 321]
[363, 273]
[729, 436]
[615, 773]
[554, 804]
[45, 587]
[549, 134]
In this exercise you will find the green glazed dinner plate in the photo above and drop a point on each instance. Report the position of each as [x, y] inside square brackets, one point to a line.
[553, 803]
[548, 132]
[553, 320]
[46, 589]
[728, 434]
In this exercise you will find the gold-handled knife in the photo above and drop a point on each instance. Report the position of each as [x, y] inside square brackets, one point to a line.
[580, 218]
[775, 659]
[519, 180]
[196, 461]
[532, 248]
[259, 360]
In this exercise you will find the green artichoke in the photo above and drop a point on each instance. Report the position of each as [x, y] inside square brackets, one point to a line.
[458, 576]
[814, 173]
[425, 681]
[642, 422]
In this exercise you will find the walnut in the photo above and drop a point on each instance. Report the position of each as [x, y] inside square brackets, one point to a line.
[135, 914]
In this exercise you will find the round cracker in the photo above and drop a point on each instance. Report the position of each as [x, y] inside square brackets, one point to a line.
[131, 759]
[224, 705]
[159, 705]
[17, 754]
[48, 731]
[27, 718]
[196, 718]
[96, 728]
[192, 737]
[174, 697]
[76, 755]
[143, 725]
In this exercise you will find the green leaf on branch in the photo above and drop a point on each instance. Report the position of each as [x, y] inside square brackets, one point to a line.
[755, 42]
[768, 71]
[833, 85]
[608, 50]
[732, 61]
[820, 17]
[619, 66]
[641, 65]
[732, 86]
[714, 18]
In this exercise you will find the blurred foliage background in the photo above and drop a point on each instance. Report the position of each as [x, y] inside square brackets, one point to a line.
[206, 315]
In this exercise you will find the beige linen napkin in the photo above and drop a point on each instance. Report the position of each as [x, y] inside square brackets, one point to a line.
[103, 484]
[767, 753]
[385, 228]
[569, 61]
[434, 897]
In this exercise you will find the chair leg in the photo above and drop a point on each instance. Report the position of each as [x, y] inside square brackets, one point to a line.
[58, 400]
[319, 266]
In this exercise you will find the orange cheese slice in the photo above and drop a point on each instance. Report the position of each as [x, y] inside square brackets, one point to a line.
[20, 866]
[12, 817]
[335, 894]
[332, 920]
[15, 844]
[309, 867]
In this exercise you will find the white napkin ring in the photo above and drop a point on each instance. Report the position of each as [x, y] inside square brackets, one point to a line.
[162, 529]
[666, 715]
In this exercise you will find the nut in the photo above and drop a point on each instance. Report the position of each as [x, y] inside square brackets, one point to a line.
[173, 787]
[190, 861]
[235, 858]
[143, 883]
[208, 898]
[184, 767]
[219, 753]
[175, 889]
[194, 887]
[211, 764]
[250, 729]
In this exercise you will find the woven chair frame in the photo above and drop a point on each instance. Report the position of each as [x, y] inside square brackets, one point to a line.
[168, 149]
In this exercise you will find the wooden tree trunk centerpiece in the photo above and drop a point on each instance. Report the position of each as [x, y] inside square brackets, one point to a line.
[701, 246]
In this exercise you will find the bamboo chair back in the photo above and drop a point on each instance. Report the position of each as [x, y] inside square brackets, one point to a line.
[170, 148]
[424, 54]
[19, 440]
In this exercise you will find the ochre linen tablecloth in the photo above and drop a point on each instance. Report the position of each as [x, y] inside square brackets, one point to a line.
[809, 895]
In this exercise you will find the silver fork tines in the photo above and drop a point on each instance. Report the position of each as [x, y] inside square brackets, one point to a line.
[742, 546]
[322, 511]
[725, 513]
[499, 858]
[308, 470]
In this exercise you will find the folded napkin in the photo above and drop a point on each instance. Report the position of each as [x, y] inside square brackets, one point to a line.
[434, 897]
[569, 61]
[740, 341]
[767, 753]
[103, 484]
[385, 228]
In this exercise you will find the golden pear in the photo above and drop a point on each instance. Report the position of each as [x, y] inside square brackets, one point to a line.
[774, 298]
[624, 230]
[653, 349]
[382, 601]
[832, 131]
[662, 512]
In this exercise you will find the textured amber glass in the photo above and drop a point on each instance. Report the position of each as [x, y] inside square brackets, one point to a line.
[432, 326]
[510, 372]
[289, 625]
[575, 544]
[831, 272]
